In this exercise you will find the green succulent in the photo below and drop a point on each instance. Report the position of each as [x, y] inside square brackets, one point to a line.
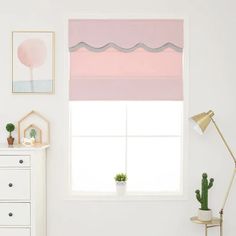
[33, 133]
[121, 177]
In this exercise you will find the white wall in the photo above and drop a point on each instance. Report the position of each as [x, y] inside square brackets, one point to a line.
[212, 83]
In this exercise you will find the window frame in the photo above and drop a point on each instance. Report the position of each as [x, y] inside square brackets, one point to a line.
[183, 195]
[127, 137]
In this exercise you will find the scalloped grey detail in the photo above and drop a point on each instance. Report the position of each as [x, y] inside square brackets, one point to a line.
[113, 45]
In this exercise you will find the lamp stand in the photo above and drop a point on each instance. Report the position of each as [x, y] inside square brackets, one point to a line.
[226, 197]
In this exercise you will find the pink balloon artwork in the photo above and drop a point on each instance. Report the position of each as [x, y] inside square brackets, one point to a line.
[32, 53]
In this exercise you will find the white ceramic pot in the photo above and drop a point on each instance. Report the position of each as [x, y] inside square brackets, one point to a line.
[204, 215]
[120, 188]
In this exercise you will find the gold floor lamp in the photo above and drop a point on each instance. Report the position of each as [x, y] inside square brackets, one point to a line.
[201, 122]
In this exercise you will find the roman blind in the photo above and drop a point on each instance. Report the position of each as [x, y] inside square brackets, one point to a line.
[126, 59]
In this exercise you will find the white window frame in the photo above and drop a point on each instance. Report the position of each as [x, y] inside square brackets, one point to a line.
[183, 195]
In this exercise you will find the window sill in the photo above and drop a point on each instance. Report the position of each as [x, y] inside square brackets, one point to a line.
[76, 196]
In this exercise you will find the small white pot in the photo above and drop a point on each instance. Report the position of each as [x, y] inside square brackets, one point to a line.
[204, 215]
[120, 188]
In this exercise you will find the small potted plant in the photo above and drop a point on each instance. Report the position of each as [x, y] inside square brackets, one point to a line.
[33, 134]
[120, 179]
[10, 128]
[204, 213]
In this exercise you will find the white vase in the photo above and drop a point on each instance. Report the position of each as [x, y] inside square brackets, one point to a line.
[120, 188]
[204, 215]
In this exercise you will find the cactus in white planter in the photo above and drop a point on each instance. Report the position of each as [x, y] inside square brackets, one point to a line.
[204, 212]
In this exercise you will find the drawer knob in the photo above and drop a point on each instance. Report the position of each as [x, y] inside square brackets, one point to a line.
[10, 185]
[10, 214]
[21, 161]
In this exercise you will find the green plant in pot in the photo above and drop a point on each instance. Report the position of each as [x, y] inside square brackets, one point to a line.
[204, 213]
[10, 128]
[120, 179]
[33, 133]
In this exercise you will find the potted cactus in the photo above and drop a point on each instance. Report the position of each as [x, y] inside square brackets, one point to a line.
[10, 128]
[120, 179]
[204, 213]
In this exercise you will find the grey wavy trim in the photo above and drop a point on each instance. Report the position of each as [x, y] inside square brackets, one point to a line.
[113, 45]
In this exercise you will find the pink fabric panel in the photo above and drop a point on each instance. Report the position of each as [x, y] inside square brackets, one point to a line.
[126, 89]
[115, 63]
[126, 33]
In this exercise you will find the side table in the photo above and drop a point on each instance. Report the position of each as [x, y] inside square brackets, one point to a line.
[215, 222]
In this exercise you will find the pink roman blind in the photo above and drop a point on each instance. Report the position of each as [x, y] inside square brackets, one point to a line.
[126, 59]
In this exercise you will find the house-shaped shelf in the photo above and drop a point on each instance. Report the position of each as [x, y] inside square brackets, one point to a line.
[36, 122]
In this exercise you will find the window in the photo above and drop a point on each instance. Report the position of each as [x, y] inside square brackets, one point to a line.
[126, 105]
[141, 138]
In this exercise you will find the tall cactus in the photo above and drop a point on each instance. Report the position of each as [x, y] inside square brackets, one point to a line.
[203, 197]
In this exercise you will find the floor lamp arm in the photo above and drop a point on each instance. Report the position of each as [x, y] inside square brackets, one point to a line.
[223, 139]
[234, 159]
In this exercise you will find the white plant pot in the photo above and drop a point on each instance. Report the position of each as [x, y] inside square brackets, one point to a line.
[120, 188]
[204, 215]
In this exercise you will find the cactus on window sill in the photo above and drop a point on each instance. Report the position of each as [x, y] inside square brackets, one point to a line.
[203, 196]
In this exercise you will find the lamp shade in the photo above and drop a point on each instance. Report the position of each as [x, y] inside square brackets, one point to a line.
[201, 121]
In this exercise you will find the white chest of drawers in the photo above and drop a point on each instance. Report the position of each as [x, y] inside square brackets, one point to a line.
[23, 191]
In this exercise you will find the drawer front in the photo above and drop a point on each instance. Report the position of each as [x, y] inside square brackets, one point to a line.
[15, 214]
[14, 184]
[14, 161]
[14, 232]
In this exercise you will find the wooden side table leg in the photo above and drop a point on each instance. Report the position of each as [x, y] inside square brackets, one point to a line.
[206, 230]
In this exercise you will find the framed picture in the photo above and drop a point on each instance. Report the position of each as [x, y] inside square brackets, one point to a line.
[33, 61]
